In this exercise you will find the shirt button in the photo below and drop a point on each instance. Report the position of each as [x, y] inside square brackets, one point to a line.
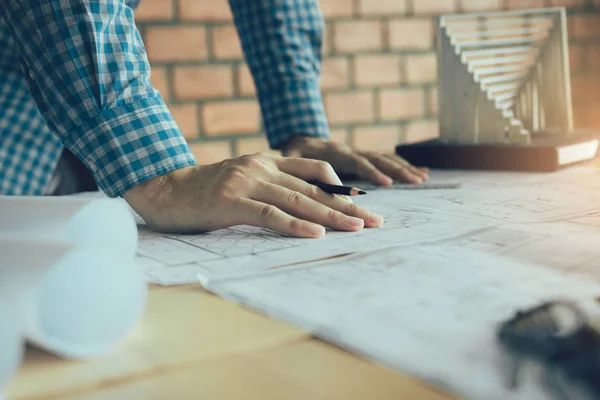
[31, 75]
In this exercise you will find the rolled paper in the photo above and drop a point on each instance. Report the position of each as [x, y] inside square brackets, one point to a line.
[11, 346]
[74, 301]
[87, 221]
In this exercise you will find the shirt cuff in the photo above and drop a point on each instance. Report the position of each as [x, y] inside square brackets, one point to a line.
[291, 109]
[130, 144]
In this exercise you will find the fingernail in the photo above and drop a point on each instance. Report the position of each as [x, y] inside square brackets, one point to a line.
[316, 230]
[375, 219]
[386, 180]
[355, 222]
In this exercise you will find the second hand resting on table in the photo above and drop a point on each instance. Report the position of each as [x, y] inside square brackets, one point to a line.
[269, 191]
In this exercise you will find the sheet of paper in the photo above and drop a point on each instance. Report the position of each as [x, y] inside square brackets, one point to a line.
[245, 249]
[431, 311]
[88, 220]
[73, 300]
[11, 345]
[484, 201]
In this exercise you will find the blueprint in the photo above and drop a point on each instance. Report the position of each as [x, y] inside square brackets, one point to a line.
[521, 215]
[176, 259]
[431, 311]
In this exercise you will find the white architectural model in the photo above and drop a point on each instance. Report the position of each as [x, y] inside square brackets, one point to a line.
[504, 76]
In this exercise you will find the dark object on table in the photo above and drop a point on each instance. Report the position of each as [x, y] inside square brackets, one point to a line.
[561, 337]
[545, 153]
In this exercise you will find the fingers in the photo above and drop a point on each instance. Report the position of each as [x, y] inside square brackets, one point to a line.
[338, 203]
[396, 170]
[423, 172]
[269, 216]
[299, 205]
[309, 169]
[365, 169]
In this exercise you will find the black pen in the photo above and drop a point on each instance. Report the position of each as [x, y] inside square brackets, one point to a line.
[337, 189]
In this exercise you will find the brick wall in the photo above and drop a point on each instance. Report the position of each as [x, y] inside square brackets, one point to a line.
[378, 76]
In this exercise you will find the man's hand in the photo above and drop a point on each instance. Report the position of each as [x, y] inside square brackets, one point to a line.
[261, 190]
[378, 168]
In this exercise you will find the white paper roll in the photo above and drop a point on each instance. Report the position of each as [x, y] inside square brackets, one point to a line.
[104, 222]
[75, 301]
[11, 346]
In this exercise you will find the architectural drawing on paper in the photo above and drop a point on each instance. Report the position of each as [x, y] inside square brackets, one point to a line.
[526, 216]
[173, 249]
[373, 301]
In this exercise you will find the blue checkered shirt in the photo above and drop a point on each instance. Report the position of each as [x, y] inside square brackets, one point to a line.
[74, 73]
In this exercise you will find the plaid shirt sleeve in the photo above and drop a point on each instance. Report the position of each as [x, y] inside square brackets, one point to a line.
[282, 42]
[87, 70]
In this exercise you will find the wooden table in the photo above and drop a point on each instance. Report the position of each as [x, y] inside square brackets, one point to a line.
[193, 345]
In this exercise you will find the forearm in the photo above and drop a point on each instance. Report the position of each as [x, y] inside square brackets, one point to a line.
[86, 67]
[282, 42]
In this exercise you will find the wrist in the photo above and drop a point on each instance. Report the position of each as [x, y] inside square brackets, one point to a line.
[149, 197]
[300, 144]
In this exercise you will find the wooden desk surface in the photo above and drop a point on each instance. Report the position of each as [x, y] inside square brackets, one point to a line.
[191, 345]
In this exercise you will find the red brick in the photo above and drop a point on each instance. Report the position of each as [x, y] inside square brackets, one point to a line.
[176, 43]
[245, 82]
[154, 10]
[566, 3]
[375, 138]
[524, 3]
[337, 8]
[253, 145]
[585, 89]
[421, 68]
[203, 81]
[158, 78]
[587, 116]
[576, 58]
[593, 57]
[398, 104]
[434, 6]
[481, 5]
[230, 117]
[335, 73]
[187, 118]
[211, 152]
[377, 70]
[433, 105]
[351, 36]
[414, 33]
[381, 7]
[421, 131]
[349, 107]
[226, 43]
[584, 26]
[204, 10]
[339, 135]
